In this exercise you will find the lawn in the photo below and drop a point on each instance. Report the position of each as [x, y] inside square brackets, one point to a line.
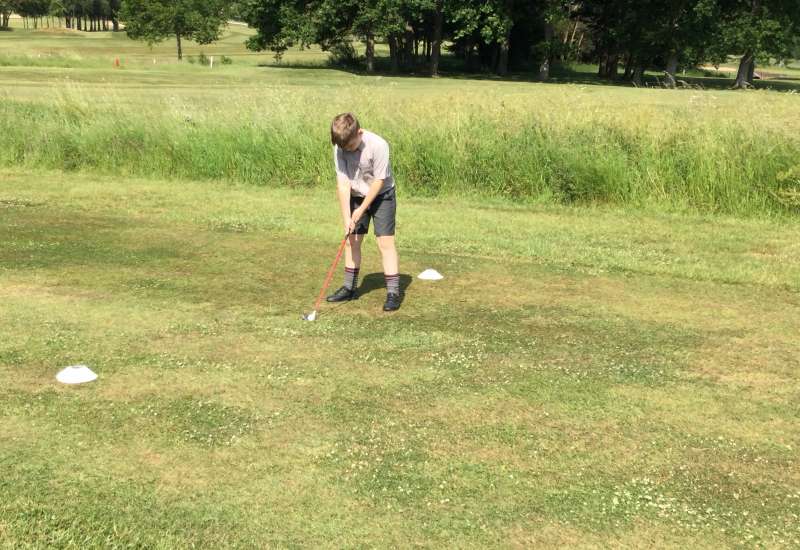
[590, 377]
[610, 360]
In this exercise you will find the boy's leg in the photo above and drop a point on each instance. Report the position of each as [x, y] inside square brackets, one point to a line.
[391, 272]
[389, 254]
[352, 261]
[384, 216]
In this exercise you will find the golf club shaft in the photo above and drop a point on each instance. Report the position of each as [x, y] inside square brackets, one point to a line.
[329, 276]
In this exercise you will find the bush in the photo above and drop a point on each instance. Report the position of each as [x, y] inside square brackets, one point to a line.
[225, 60]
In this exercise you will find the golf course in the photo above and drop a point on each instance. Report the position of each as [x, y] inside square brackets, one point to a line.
[611, 359]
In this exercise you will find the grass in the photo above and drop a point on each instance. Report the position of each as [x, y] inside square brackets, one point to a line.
[681, 151]
[610, 360]
[636, 387]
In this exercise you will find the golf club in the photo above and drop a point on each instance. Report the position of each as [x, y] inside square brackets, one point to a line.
[313, 315]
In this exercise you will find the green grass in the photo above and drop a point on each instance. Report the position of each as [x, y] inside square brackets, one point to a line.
[619, 372]
[582, 376]
[683, 150]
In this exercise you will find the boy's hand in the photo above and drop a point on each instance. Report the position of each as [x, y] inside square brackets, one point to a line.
[356, 215]
[350, 225]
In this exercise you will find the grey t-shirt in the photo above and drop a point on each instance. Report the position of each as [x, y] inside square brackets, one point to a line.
[364, 165]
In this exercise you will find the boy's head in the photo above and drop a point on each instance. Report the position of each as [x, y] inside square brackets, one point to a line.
[346, 132]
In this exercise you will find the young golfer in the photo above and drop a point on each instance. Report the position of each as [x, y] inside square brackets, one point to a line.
[365, 187]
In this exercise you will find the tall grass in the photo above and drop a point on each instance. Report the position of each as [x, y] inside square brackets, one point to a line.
[678, 150]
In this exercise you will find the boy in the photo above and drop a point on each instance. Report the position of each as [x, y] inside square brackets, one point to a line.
[365, 188]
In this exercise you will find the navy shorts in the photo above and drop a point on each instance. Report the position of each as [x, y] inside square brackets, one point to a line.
[382, 211]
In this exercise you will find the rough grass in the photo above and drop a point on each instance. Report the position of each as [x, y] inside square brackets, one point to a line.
[593, 377]
[725, 152]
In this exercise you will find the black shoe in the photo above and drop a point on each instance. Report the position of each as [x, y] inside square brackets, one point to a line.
[344, 294]
[392, 302]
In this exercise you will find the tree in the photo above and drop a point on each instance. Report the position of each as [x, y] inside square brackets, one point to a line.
[483, 28]
[281, 24]
[156, 20]
[7, 7]
[33, 9]
[757, 30]
[278, 24]
[436, 44]
[114, 7]
[648, 33]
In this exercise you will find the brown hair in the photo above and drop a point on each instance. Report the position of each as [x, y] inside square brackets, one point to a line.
[344, 128]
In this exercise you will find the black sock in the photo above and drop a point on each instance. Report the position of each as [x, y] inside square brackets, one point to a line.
[392, 283]
[350, 277]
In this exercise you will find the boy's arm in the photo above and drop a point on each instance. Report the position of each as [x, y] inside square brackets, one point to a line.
[342, 188]
[343, 192]
[374, 189]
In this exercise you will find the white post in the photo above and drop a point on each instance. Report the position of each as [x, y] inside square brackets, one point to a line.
[212, 61]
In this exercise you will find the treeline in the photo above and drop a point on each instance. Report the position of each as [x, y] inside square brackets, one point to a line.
[624, 37]
[82, 15]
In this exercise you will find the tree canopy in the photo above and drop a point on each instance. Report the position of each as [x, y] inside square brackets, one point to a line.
[504, 35]
[156, 20]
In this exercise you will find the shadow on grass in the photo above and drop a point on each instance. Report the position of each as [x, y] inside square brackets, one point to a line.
[375, 281]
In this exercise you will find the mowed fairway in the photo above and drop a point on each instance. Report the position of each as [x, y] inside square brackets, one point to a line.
[587, 376]
[593, 377]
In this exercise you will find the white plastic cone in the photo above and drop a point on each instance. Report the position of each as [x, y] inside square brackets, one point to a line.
[76, 374]
[430, 275]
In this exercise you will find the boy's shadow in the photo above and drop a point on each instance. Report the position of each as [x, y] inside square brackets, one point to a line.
[375, 281]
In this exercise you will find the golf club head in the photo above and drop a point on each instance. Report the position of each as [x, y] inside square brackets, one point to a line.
[311, 316]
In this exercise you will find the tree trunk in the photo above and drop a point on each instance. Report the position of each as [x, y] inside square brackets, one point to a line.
[502, 59]
[628, 66]
[608, 66]
[747, 64]
[115, 24]
[436, 46]
[370, 52]
[408, 46]
[544, 68]
[601, 66]
[672, 68]
[78, 21]
[180, 49]
[393, 52]
[613, 66]
[742, 75]
[470, 56]
[638, 71]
